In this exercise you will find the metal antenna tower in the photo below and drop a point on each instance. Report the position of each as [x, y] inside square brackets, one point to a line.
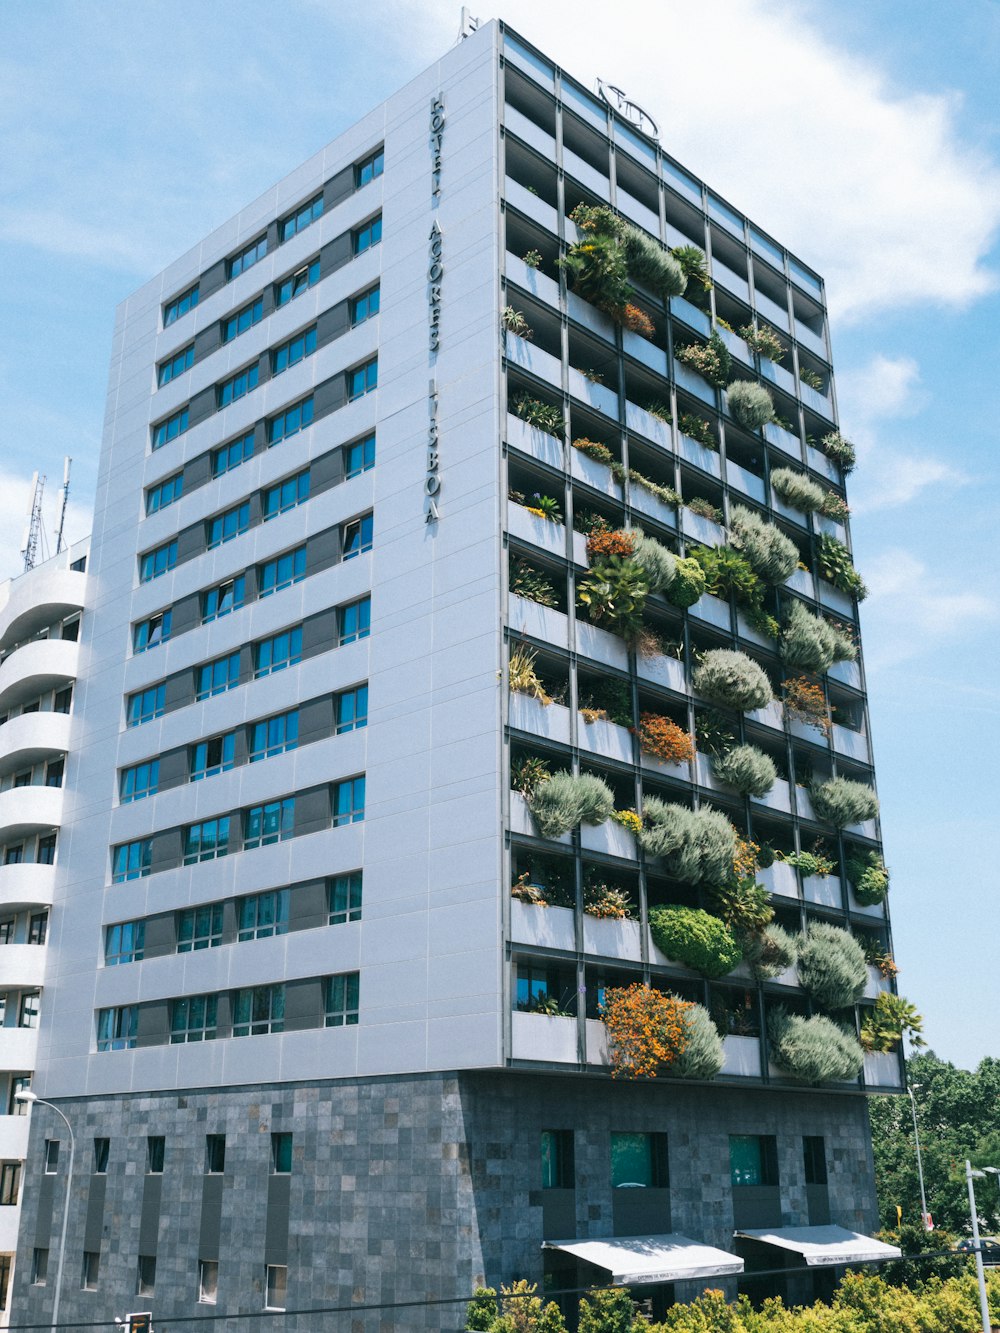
[67, 463]
[33, 532]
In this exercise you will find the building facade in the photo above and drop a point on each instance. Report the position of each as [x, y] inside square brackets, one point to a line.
[317, 1054]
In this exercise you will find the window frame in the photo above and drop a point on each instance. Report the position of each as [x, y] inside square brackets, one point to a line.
[283, 425]
[296, 222]
[214, 682]
[124, 942]
[138, 781]
[168, 370]
[366, 235]
[241, 321]
[367, 458]
[370, 168]
[251, 905]
[269, 822]
[246, 257]
[260, 1019]
[170, 428]
[366, 305]
[342, 1000]
[179, 305]
[206, 927]
[344, 806]
[194, 1018]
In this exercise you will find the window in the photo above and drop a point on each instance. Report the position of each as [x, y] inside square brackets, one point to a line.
[38, 927]
[362, 379]
[224, 527]
[158, 497]
[370, 168]
[180, 305]
[289, 422]
[352, 709]
[131, 860]
[356, 536]
[237, 386]
[116, 1028]
[54, 771]
[14, 855]
[814, 1150]
[218, 676]
[146, 704]
[272, 822]
[208, 1281]
[345, 898]
[10, 1183]
[27, 1014]
[263, 915]
[216, 755]
[293, 351]
[7, 930]
[124, 943]
[193, 1019]
[23, 779]
[286, 495]
[6, 1263]
[558, 1165]
[246, 258]
[80, 565]
[365, 305]
[139, 781]
[274, 736]
[281, 1154]
[226, 597]
[349, 802]
[354, 621]
[278, 652]
[342, 1000]
[232, 454]
[363, 238]
[145, 1278]
[206, 841]
[168, 430]
[301, 218]
[45, 852]
[18, 1083]
[199, 928]
[215, 1154]
[102, 1150]
[243, 319]
[281, 572]
[63, 700]
[257, 1010]
[155, 1145]
[149, 633]
[296, 283]
[70, 630]
[639, 1160]
[51, 1156]
[753, 1159]
[276, 1282]
[160, 561]
[39, 1267]
[359, 457]
[91, 1268]
[175, 365]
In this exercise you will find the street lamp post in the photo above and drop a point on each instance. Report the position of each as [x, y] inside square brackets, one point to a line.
[920, 1166]
[26, 1095]
[980, 1275]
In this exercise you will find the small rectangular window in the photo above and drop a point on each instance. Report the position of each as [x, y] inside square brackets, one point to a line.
[18, 1083]
[145, 1279]
[45, 851]
[216, 755]
[296, 283]
[155, 1148]
[557, 1158]
[304, 216]
[124, 943]
[281, 1154]
[352, 709]
[365, 305]
[359, 457]
[263, 915]
[39, 1267]
[54, 771]
[139, 781]
[38, 927]
[91, 1270]
[293, 351]
[290, 422]
[63, 701]
[274, 735]
[364, 237]
[224, 527]
[369, 169]
[753, 1159]
[362, 379]
[27, 1015]
[345, 898]
[258, 1010]
[160, 561]
[152, 632]
[247, 257]
[193, 1018]
[180, 305]
[7, 930]
[222, 599]
[276, 1287]
[232, 454]
[146, 704]
[349, 801]
[639, 1161]
[51, 1156]
[244, 319]
[215, 1154]
[354, 621]
[274, 821]
[208, 1281]
[102, 1151]
[356, 536]
[10, 1183]
[237, 386]
[175, 365]
[814, 1152]
[219, 676]
[131, 860]
[117, 1028]
[286, 495]
[199, 928]
[278, 652]
[169, 429]
[206, 841]
[281, 572]
[342, 1000]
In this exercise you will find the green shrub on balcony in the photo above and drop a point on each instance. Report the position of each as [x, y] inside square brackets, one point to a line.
[688, 583]
[763, 341]
[657, 563]
[884, 1026]
[744, 905]
[774, 556]
[702, 1055]
[568, 799]
[733, 680]
[841, 802]
[869, 877]
[750, 404]
[840, 450]
[537, 413]
[811, 643]
[534, 584]
[797, 490]
[711, 359]
[614, 593]
[695, 939]
[699, 429]
[832, 966]
[813, 1050]
[746, 768]
[651, 265]
[696, 846]
[834, 563]
[770, 951]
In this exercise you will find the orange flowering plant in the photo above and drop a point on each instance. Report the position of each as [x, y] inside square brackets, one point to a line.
[615, 542]
[646, 1029]
[805, 702]
[664, 739]
[636, 319]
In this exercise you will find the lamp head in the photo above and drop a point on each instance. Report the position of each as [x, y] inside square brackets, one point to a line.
[992, 1170]
[25, 1095]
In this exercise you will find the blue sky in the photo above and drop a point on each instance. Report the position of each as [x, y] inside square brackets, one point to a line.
[864, 135]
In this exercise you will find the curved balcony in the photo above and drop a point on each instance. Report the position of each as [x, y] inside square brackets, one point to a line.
[19, 1047]
[46, 664]
[31, 739]
[28, 884]
[25, 810]
[22, 965]
[40, 599]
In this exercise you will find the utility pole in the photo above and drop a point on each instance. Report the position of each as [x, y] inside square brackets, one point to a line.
[33, 532]
[67, 462]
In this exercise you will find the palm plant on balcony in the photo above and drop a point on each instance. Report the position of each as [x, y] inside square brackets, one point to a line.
[545, 416]
[527, 773]
[869, 878]
[744, 905]
[841, 802]
[811, 378]
[732, 680]
[750, 404]
[568, 799]
[702, 1055]
[885, 1025]
[841, 450]
[695, 266]
[657, 563]
[614, 594]
[834, 562]
[695, 939]
[696, 846]
[746, 768]
[810, 643]
[832, 967]
[813, 1050]
[774, 556]
[797, 490]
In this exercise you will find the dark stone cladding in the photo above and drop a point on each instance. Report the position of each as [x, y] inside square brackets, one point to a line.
[402, 1188]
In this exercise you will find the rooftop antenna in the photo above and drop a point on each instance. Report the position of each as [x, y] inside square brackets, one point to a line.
[467, 25]
[33, 532]
[67, 463]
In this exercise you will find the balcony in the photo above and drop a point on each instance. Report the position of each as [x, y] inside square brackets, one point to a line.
[801, 581]
[747, 482]
[31, 739]
[530, 440]
[771, 311]
[824, 890]
[784, 440]
[14, 1137]
[706, 459]
[746, 631]
[522, 353]
[612, 939]
[528, 132]
[531, 205]
[702, 530]
[854, 744]
[543, 1037]
[551, 721]
[784, 379]
[771, 715]
[778, 798]
[638, 213]
[597, 396]
[711, 609]
[689, 379]
[780, 878]
[787, 512]
[650, 505]
[27, 884]
[542, 927]
[731, 282]
[26, 810]
[594, 474]
[22, 965]
[882, 1071]
[736, 346]
[597, 1043]
[538, 532]
[814, 341]
[818, 402]
[539, 622]
[605, 738]
[581, 171]
[640, 422]
[532, 280]
[848, 673]
[687, 313]
[819, 462]
[601, 646]
[33, 603]
[522, 821]
[45, 664]
[666, 671]
[590, 317]
[641, 349]
[834, 599]
[610, 838]
[18, 1046]
[869, 909]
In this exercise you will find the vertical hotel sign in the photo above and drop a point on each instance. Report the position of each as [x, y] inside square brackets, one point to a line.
[435, 271]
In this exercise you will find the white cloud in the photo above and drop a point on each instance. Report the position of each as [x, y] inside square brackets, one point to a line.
[892, 478]
[885, 387]
[911, 609]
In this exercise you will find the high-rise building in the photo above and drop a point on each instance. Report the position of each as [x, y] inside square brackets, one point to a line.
[366, 446]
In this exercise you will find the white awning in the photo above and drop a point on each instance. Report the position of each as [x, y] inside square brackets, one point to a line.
[669, 1258]
[826, 1245]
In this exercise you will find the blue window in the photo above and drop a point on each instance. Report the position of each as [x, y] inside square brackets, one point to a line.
[342, 1000]
[224, 527]
[354, 620]
[131, 860]
[278, 652]
[124, 943]
[160, 561]
[199, 928]
[139, 781]
[362, 379]
[194, 1018]
[274, 735]
[272, 822]
[246, 258]
[243, 319]
[365, 305]
[356, 536]
[146, 704]
[349, 801]
[290, 421]
[232, 454]
[281, 572]
[206, 841]
[180, 305]
[218, 676]
[363, 238]
[117, 1028]
[286, 495]
[158, 497]
[345, 898]
[293, 351]
[263, 915]
[302, 217]
[372, 166]
[176, 365]
[168, 430]
[223, 598]
[296, 283]
[352, 709]
[258, 1009]
[237, 386]
[359, 457]
[213, 756]
[149, 633]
